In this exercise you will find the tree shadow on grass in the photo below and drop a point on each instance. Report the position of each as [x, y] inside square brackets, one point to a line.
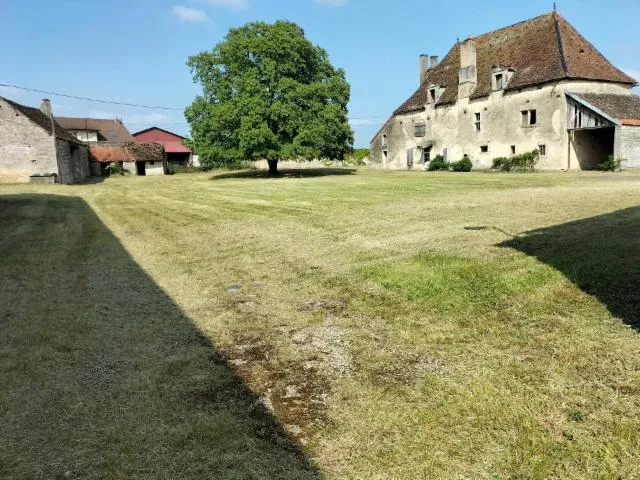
[286, 173]
[103, 375]
[600, 255]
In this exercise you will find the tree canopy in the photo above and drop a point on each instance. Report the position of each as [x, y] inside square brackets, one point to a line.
[268, 93]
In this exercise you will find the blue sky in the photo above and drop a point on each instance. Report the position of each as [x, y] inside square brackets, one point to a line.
[135, 51]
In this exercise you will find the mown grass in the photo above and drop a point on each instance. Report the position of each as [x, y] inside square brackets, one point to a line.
[367, 325]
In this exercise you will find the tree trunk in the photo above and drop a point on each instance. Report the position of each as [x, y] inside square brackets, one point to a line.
[273, 167]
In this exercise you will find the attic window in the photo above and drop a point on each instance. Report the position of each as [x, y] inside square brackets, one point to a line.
[432, 95]
[499, 81]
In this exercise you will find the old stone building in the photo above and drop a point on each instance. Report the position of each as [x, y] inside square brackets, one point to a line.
[34, 147]
[538, 84]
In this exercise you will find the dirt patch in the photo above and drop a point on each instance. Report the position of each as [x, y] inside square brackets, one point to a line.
[295, 392]
[326, 345]
[329, 306]
[404, 369]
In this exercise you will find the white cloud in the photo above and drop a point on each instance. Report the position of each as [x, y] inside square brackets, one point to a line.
[232, 4]
[331, 3]
[150, 118]
[188, 14]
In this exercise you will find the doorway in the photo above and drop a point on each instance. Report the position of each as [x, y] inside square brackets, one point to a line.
[140, 168]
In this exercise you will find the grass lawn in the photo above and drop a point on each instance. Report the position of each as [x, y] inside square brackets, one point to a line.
[361, 325]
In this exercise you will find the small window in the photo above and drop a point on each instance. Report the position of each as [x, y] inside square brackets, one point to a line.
[478, 122]
[152, 163]
[543, 150]
[484, 149]
[499, 81]
[384, 141]
[410, 157]
[431, 98]
[426, 153]
[419, 129]
[529, 118]
[513, 149]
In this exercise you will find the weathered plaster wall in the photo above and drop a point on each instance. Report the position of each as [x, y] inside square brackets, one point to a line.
[84, 135]
[156, 169]
[627, 146]
[452, 127]
[25, 148]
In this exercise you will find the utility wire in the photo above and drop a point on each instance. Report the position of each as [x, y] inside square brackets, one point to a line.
[152, 107]
[92, 99]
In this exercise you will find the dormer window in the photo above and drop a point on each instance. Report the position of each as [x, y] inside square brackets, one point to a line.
[500, 78]
[433, 93]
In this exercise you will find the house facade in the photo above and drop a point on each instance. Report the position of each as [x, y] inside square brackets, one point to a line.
[177, 152]
[35, 148]
[535, 85]
[136, 158]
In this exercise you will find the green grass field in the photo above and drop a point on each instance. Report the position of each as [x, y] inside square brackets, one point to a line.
[352, 324]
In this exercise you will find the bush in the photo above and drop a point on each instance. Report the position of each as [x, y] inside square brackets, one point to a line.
[525, 162]
[611, 164]
[464, 165]
[114, 168]
[358, 157]
[437, 164]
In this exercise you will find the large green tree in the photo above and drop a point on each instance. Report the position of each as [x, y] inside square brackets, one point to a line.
[268, 93]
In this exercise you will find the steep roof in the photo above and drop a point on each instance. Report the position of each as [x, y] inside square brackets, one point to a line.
[126, 152]
[540, 50]
[41, 119]
[110, 130]
[624, 108]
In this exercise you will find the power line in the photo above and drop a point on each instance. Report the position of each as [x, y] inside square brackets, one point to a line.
[152, 107]
[92, 99]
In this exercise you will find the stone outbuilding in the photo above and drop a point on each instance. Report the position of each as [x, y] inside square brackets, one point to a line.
[35, 148]
[537, 84]
[134, 157]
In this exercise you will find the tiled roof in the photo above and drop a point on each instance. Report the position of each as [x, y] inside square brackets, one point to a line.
[38, 117]
[109, 130]
[540, 50]
[624, 108]
[126, 152]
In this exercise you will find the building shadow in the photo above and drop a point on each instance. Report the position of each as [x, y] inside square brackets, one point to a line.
[104, 376]
[600, 255]
[287, 173]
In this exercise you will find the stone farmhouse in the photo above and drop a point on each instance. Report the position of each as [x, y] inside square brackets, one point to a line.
[35, 146]
[537, 84]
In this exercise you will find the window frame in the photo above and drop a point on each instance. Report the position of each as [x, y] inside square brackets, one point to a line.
[543, 150]
[478, 122]
[527, 116]
[419, 129]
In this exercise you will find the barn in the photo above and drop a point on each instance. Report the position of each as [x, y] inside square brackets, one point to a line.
[177, 153]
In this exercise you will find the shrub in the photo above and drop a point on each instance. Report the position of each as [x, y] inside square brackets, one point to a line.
[114, 168]
[438, 163]
[525, 162]
[464, 165]
[358, 157]
[611, 164]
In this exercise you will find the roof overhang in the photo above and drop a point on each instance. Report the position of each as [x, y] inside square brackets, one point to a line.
[576, 97]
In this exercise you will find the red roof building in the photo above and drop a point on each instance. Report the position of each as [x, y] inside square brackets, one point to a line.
[177, 153]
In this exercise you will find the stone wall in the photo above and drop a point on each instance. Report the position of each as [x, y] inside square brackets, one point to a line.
[452, 127]
[627, 146]
[26, 149]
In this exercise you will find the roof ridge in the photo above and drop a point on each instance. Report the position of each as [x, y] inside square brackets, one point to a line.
[563, 57]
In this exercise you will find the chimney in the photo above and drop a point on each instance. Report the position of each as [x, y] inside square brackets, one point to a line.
[434, 61]
[468, 76]
[424, 66]
[45, 107]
